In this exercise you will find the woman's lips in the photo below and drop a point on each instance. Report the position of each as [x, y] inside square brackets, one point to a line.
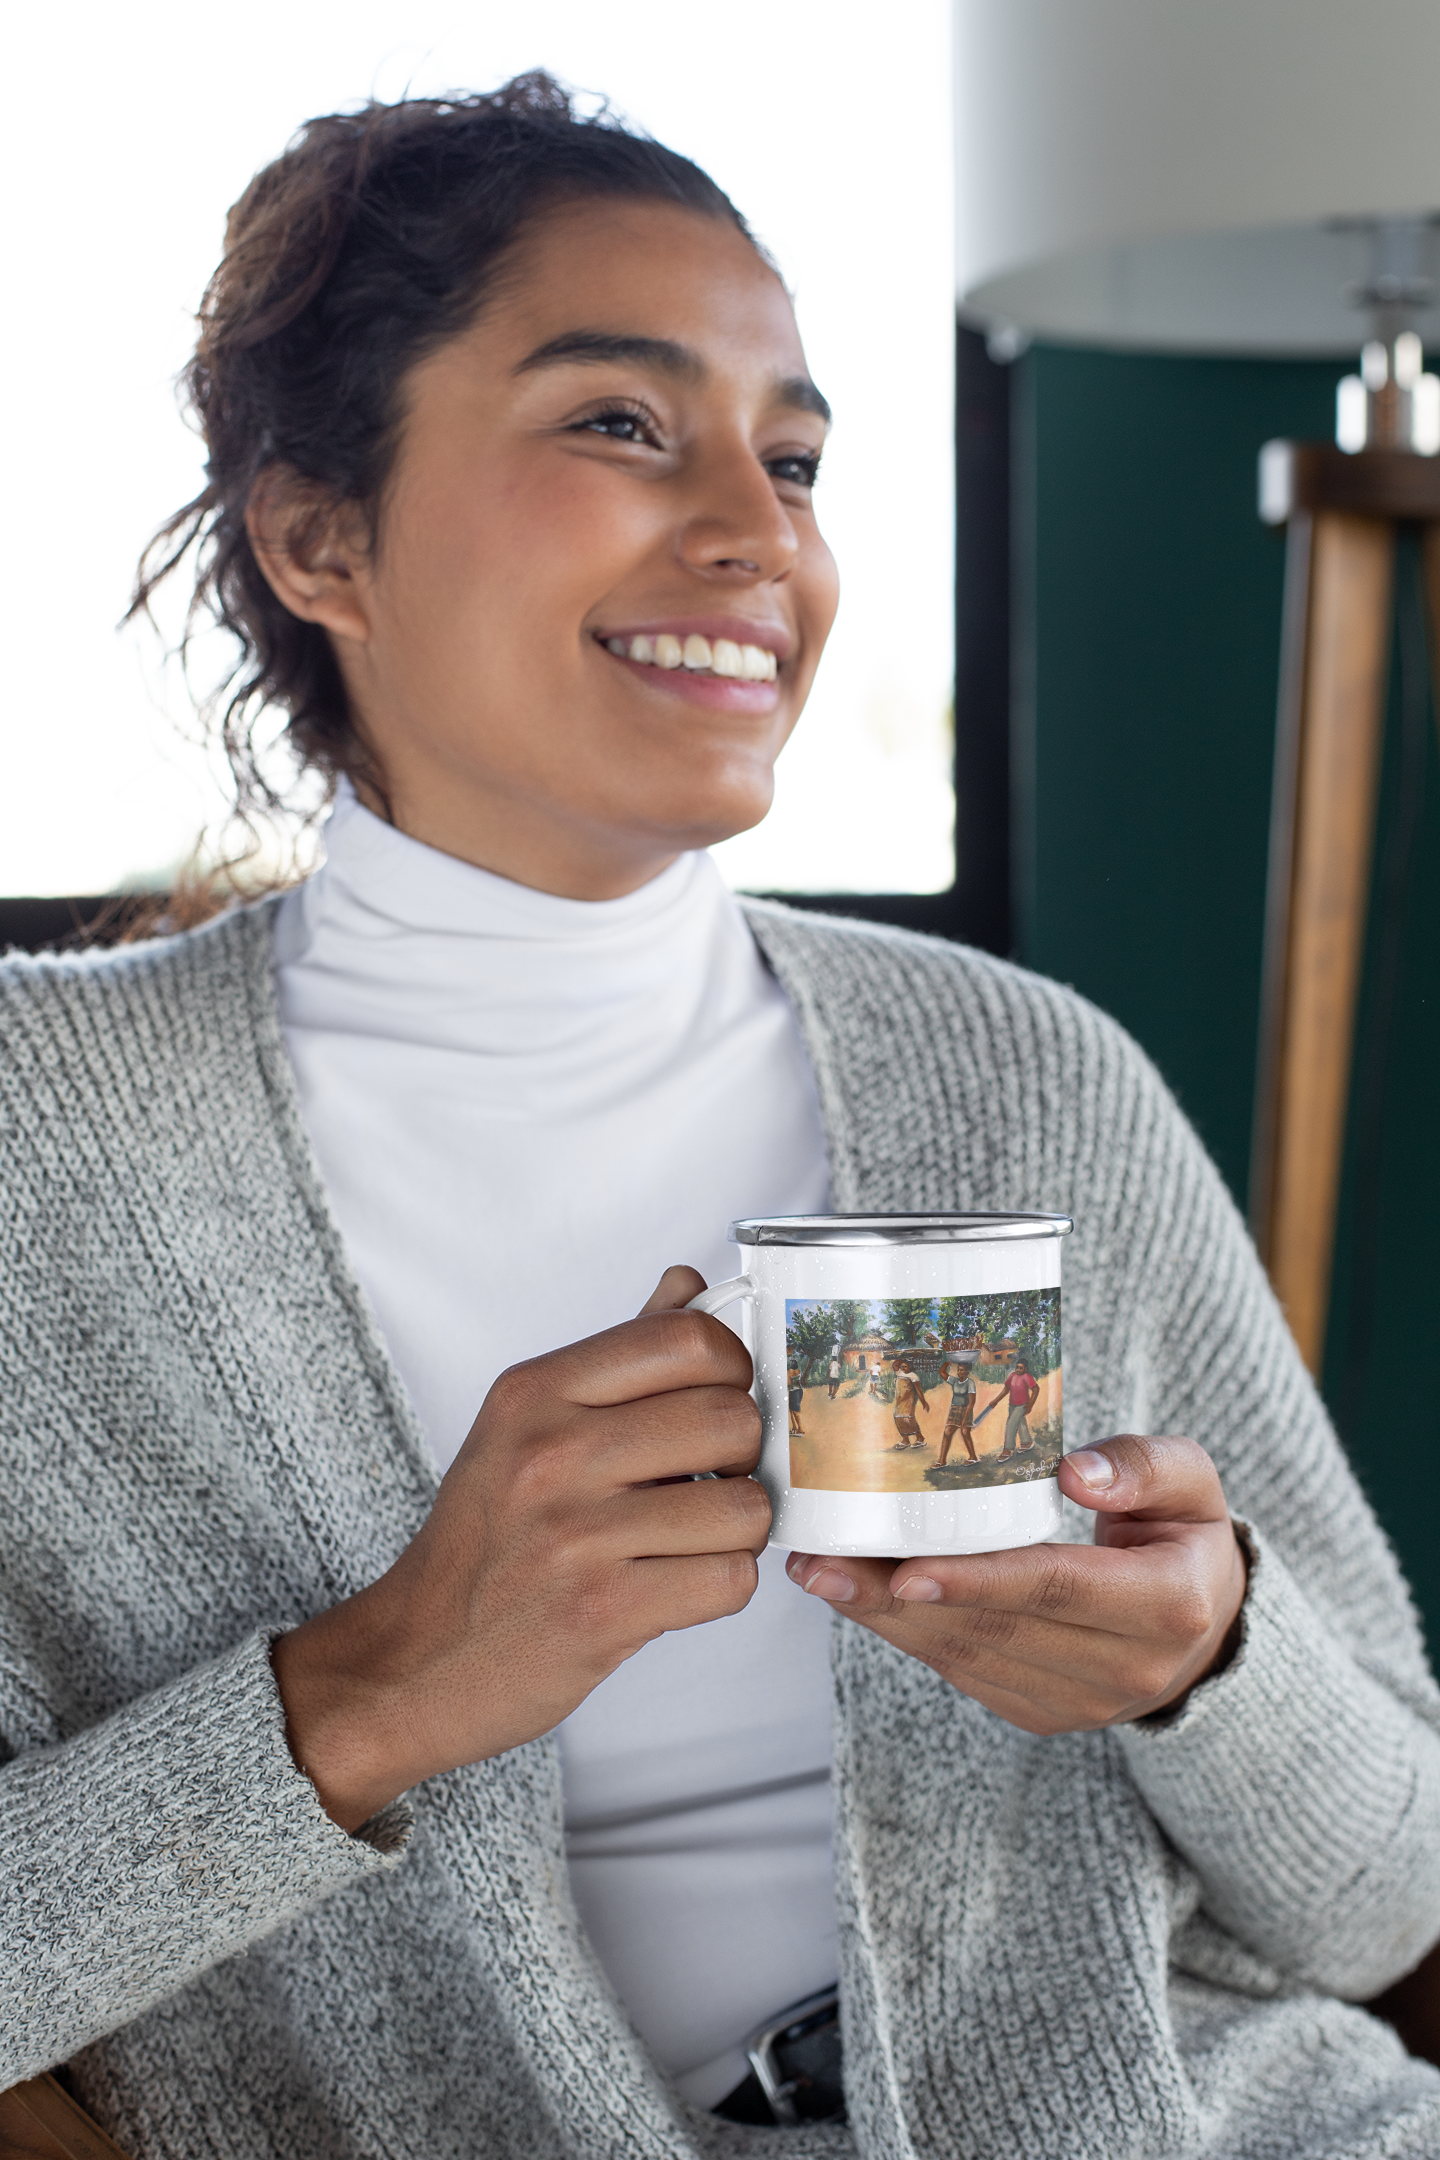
[720, 667]
[720, 693]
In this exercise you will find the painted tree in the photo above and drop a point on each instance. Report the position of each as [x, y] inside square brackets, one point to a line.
[907, 1319]
[960, 1317]
[1028, 1318]
[852, 1318]
[809, 1337]
[1037, 1330]
[1031, 1320]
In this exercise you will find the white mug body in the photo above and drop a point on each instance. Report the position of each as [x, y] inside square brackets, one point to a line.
[893, 1375]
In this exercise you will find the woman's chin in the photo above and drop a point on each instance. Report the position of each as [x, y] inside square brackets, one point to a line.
[722, 817]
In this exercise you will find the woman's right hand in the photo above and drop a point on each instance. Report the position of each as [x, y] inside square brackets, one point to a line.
[555, 1549]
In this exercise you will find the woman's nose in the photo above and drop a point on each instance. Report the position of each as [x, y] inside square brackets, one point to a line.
[738, 527]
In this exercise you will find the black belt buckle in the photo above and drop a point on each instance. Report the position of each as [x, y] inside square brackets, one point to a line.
[796, 2059]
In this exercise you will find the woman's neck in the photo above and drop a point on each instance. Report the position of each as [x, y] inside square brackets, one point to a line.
[578, 860]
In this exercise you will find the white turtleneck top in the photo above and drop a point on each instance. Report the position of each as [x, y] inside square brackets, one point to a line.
[525, 1108]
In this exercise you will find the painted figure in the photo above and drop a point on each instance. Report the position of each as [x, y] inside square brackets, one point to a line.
[1024, 1392]
[908, 1391]
[797, 1397]
[834, 1373]
[962, 1409]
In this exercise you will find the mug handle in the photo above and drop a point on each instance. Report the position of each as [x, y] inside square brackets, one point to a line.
[714, 1300]
[721, 1294]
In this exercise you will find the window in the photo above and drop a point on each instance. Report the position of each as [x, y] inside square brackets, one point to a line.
[831, 128]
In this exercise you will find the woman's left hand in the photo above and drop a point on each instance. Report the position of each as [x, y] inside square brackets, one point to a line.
[1064, 1638]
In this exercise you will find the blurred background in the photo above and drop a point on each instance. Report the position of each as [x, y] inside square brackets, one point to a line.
[1062, 267]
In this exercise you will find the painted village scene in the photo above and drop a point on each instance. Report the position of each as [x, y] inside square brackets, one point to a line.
[923, 1394]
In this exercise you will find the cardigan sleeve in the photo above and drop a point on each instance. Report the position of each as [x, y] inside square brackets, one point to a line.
[1302, 1790]
[153, 1845]
[1303, 1783]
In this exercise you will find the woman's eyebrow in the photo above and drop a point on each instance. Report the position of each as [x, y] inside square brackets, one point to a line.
[662, 354]
[798, 392]
[666, 356]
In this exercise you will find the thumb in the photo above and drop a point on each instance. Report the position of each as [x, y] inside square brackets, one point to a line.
[1155, 1477]
[675, 1288]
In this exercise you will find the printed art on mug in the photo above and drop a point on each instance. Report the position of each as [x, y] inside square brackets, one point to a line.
[923, 1394]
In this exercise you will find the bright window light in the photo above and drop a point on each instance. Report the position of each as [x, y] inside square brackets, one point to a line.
[829, 126]
[1352, 413]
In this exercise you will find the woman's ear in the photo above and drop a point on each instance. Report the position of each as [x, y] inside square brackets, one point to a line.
[312, 552]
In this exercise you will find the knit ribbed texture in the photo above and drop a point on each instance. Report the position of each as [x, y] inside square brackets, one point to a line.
[177, 1863]
[1116, 1944]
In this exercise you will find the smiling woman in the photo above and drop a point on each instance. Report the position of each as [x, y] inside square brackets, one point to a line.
[411, 1741]
[659, 440]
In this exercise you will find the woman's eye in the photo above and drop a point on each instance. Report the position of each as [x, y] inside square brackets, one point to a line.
[620, 425]
[800, 471]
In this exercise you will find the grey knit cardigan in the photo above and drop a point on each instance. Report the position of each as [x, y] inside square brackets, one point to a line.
[1135, 1942]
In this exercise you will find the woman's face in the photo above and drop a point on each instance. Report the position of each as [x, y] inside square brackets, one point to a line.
[611, 468]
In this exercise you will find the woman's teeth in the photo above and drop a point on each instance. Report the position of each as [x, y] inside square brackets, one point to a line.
[746, 663]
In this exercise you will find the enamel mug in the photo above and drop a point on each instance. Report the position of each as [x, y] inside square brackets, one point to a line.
[907, 1368]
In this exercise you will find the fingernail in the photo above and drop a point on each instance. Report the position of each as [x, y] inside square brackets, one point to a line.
[796, 1565]
[920, 1590]
[830, 1584]
[1092, 1468]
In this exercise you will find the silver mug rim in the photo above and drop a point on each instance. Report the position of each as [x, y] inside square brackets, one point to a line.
[918, 1229]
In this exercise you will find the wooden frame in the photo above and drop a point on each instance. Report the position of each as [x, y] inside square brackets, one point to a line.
[40, 2121]
[1342, 513]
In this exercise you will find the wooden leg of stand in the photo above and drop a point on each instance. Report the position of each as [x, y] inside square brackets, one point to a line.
[40, 2121]
[1294, 633]
[1342, 697]
[1430, 563]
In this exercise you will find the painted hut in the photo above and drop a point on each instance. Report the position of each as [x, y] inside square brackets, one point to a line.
[864, 1354]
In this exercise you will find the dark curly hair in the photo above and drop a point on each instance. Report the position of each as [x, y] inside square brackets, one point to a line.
[372, 240]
